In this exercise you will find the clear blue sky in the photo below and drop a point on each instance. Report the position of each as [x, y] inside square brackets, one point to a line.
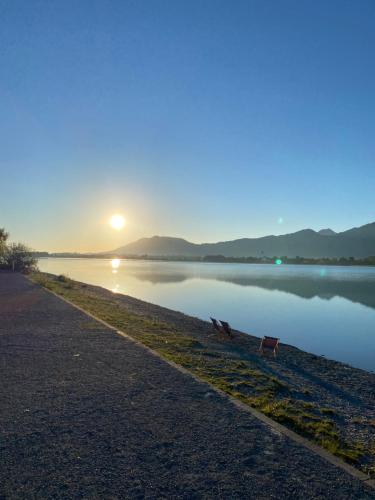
[204, 119]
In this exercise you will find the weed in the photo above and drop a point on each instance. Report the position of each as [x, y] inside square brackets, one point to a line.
[328, 411]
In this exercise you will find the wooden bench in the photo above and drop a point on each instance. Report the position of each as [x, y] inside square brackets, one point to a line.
[216, 325]
[227, 329]
[269, 343]
[222, 327]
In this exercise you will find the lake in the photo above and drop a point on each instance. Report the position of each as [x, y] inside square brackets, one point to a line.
[329, 311]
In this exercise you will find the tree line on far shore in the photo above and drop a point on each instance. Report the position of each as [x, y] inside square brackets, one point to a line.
[322, 261]
[15, 256]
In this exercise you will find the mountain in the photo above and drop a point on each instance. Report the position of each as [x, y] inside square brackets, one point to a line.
[327, 232]
[357, 242]
[159, 245]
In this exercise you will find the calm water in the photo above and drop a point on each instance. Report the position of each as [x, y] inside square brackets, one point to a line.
[328, 311]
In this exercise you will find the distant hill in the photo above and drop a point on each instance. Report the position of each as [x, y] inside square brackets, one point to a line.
[327, 232]
[357, 242]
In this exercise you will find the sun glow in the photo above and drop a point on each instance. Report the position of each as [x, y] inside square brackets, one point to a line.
[115, 263]
[117, 222]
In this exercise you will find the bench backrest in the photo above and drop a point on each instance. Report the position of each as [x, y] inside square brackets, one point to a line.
[215, 323]
[270, 342]
[226, 326]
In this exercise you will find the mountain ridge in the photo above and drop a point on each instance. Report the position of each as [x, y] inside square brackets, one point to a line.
[356, 242]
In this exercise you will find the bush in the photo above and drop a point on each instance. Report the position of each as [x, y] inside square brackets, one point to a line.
[18, 257]
[15, 256]
[3, 246]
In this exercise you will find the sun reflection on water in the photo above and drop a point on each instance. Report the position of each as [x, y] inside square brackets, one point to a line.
[115, 263]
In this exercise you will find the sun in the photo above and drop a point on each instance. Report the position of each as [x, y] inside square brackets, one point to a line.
[117, 222]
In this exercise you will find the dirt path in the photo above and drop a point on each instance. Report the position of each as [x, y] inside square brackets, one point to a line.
[86, 413]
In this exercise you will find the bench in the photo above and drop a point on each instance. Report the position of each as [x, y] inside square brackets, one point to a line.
[269, 343]
[222, 327]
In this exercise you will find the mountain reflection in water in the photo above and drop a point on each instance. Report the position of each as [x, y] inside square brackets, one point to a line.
[325, 310]
[359, 291]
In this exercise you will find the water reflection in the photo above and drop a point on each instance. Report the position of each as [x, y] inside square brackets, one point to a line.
[157, 277]
[320, 285]
[319, 309]
[115, 263]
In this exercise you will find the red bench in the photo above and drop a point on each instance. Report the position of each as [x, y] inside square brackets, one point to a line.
[269, 343]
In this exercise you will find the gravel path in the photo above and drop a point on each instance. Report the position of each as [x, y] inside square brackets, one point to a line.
[86, 413]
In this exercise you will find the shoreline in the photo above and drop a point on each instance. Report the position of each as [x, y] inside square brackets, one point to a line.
[270, 262]
[334, 338]
[329, 402]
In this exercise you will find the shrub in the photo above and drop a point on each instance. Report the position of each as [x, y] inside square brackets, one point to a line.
[15, 256]
[19, 257]
[3, 247]
[62, 278]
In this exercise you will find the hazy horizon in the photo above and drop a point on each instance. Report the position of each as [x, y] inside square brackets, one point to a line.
[190, 241]
[206, 121]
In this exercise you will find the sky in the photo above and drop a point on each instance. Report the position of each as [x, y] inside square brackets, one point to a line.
[204, 119]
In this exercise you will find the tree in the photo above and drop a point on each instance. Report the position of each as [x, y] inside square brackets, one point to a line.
[3, 239]
[19, 258]
[3, 235]
[15, 256]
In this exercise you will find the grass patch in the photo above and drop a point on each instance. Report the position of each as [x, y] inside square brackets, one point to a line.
[328, 411]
